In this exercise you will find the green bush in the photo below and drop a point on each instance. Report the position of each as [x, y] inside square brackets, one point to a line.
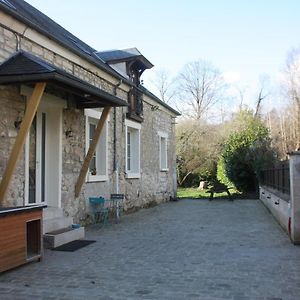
[221, 173]
[246, 153]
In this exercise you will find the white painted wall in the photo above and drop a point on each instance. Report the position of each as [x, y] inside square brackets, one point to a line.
[279, 208]
[120, 68]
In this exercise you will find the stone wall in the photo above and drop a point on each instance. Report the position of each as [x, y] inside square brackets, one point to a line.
[73, 156]
[12, 108]
[286, 207]
[154, 186]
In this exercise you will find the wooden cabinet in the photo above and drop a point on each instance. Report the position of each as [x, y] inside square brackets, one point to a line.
[20, 236]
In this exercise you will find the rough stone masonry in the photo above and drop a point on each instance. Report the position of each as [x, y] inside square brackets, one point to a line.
[153, 186]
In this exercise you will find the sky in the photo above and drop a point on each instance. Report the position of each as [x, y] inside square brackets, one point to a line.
[245, 39]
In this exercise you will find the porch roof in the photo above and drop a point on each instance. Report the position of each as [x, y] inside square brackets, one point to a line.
[26, 68]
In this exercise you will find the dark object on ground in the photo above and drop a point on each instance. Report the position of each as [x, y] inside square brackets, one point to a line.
[218, 187]
[73, 246]
[173, 199]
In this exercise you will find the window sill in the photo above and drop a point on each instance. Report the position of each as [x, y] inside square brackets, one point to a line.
[97, 178]
[133, 175]
[164, 170]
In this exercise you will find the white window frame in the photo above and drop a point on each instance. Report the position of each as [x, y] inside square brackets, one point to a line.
[163, 136]
[136, 126]
[92, 116]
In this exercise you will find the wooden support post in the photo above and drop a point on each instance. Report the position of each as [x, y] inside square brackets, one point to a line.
[91, 151]
[30, 112]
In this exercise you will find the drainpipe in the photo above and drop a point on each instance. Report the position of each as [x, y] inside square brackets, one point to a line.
[115, 164]
[116, 171]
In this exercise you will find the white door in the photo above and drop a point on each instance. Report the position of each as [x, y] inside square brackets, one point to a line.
[44, 155]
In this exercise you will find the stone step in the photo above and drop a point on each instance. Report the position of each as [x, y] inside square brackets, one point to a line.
[56, 223]
[62, 236]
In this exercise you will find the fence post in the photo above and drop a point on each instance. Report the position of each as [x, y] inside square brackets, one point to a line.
[295, 196]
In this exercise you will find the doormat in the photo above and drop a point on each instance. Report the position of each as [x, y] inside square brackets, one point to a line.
[73, 246]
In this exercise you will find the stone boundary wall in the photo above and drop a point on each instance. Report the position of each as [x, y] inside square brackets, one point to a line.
[286, 208]
[277, 203]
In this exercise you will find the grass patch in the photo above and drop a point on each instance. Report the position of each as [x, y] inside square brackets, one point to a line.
[194, 193]
[191, 193]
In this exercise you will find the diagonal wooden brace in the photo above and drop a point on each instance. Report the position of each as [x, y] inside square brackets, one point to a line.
[91, 151]
[30, 112]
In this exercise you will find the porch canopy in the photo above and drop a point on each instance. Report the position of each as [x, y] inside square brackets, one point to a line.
[26, 68]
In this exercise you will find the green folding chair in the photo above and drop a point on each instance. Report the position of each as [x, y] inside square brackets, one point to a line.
[99, 210]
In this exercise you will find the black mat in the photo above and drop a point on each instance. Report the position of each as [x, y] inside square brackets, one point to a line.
[73, 246]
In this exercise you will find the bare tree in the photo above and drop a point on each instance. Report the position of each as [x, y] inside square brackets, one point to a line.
[292, 84]
[201, 86]
[165, 85]
[284, 124]
[241, 92]
[262, 94]
[198, 145]
[285, 127]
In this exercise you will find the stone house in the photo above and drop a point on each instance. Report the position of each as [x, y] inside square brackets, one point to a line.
[59, 98]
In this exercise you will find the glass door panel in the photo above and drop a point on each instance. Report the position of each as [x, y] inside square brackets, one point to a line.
[32, 163]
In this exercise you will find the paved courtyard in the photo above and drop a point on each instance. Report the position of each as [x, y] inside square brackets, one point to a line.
[189, 249]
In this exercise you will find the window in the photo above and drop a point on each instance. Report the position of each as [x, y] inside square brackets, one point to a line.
[132, 149]
[98, 165]
[163, 151]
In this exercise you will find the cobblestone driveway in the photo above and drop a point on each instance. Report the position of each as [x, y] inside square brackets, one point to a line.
[184, 250]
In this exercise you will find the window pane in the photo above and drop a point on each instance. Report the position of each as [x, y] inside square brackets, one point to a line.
[32, 162]
[128, 151]
[101, 153]
[92, 128]
[98, 164]
[93, 165]
[133, 150]
[43, 157]
[92, 131]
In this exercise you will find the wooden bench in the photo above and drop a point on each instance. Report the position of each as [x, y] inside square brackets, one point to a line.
[218, 187]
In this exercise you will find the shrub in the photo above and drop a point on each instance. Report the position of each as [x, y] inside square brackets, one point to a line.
[221, 173]
[246, 153]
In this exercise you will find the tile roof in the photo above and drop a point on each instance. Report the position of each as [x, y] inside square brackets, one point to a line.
[24, 67]
[111, 55]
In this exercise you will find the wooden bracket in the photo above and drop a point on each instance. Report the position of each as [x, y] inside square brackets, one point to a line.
[91, 151]
[30, 112]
